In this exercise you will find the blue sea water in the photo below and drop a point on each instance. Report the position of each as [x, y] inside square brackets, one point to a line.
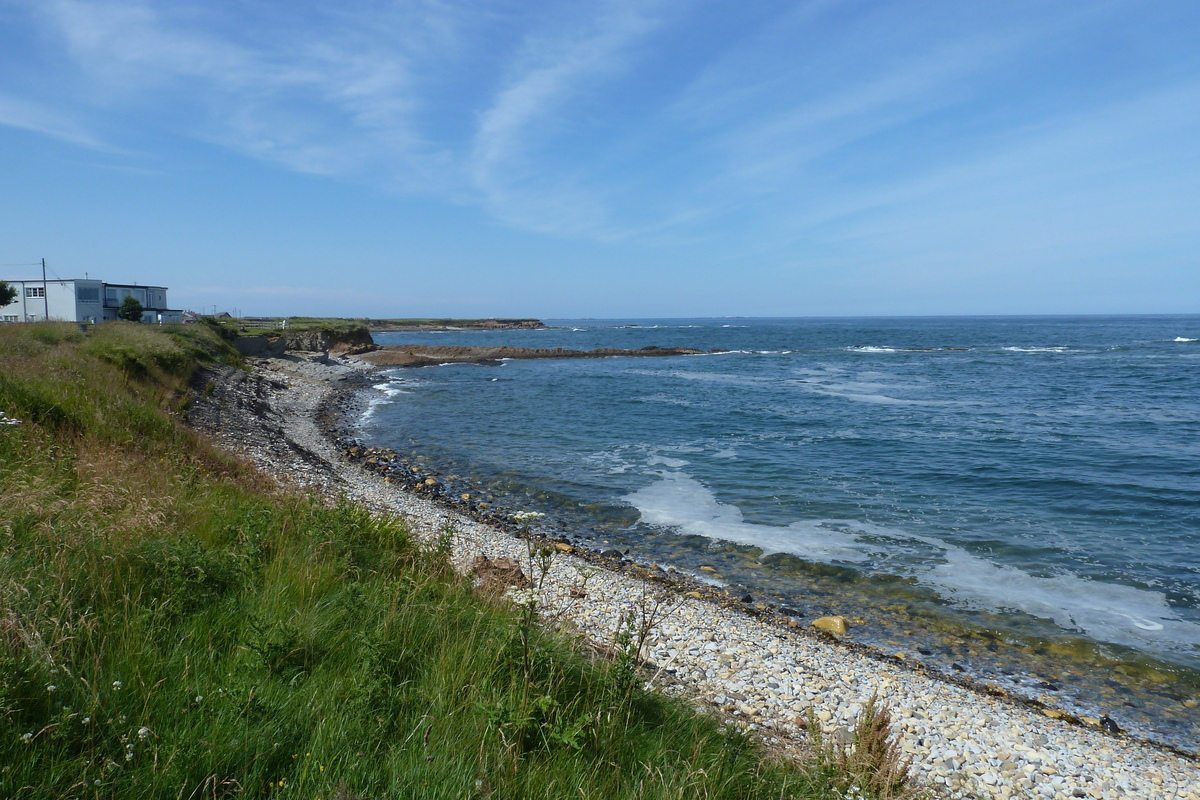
[1037, 478]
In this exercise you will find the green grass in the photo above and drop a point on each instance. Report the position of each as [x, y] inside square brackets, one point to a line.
[172, 627]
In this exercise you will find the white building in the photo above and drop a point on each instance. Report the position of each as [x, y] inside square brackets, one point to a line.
[80, 300]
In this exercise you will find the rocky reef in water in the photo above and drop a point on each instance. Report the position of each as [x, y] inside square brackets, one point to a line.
[405, 355]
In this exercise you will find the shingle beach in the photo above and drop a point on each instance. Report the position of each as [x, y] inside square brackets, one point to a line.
[753, 671]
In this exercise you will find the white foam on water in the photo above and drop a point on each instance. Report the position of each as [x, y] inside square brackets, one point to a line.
[668, 399]
[1109, 612]
[1037, 349]
[878, 399]
[664, 461]
[727, 453]
[1185, 339]
[870, 349]
[704, 377]
[677, 500]
[387, 391]
[858, 390]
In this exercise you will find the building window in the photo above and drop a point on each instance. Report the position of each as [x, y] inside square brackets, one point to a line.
[10, 317]
[35, 291]
[87, 294]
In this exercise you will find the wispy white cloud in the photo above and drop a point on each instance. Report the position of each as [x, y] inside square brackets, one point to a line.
[16, 112]
[808, 120]
[551, 72]
[334, 96]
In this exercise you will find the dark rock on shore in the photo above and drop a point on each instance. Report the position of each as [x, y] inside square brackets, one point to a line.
[406, 355]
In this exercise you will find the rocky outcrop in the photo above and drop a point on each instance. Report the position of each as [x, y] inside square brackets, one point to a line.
[352, 342]
[259, 346]
[417, 355]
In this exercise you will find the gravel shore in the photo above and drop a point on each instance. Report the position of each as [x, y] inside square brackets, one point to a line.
[964, 743]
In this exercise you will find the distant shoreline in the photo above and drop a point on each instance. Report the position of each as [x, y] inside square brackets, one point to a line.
[490, 324]
[405, 355]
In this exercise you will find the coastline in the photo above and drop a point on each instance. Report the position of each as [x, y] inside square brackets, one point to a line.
[749, 669]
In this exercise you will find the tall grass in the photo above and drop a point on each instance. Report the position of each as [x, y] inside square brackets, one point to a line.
[169, 627]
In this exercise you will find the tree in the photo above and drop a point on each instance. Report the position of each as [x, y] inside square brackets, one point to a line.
[8, 293]
[130, 309]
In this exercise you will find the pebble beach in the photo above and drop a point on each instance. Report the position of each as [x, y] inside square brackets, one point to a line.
[754, 671]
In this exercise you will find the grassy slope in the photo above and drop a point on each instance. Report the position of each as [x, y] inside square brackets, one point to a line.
[170, 627]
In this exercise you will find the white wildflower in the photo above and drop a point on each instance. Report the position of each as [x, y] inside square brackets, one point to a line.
[523, 517]
[117, 686]
[526, 598]
[143, 732]
[51, 688]
[87, 720]
[27, 738]
[199, 698]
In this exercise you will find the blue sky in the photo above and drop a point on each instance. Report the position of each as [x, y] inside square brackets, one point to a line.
[608, 159]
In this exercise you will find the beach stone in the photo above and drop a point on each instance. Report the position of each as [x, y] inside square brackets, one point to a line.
[496, 576]
[832, 624]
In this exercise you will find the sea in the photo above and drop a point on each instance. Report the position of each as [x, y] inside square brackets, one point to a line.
[1009, 501]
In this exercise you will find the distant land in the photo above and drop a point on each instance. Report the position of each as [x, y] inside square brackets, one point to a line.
[400, 355]
[452, 324]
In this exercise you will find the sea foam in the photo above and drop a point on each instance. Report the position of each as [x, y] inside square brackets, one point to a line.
[1107, 612]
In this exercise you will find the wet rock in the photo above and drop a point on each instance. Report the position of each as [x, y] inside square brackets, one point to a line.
[832, 625]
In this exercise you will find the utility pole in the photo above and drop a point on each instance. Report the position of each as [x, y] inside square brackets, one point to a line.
[45, 296]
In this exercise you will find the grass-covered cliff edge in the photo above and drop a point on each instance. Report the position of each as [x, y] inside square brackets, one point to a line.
[171, 626]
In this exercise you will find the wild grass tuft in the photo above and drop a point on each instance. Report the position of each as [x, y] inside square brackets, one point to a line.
[869, 762]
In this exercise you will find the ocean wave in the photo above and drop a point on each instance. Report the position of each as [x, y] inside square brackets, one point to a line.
[1108, 612]
[1037, 349]
[704, 377]
[1184, 339]
[677, 500]
[387, 391]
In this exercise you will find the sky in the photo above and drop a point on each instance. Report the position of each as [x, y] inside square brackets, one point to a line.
[564, 159]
